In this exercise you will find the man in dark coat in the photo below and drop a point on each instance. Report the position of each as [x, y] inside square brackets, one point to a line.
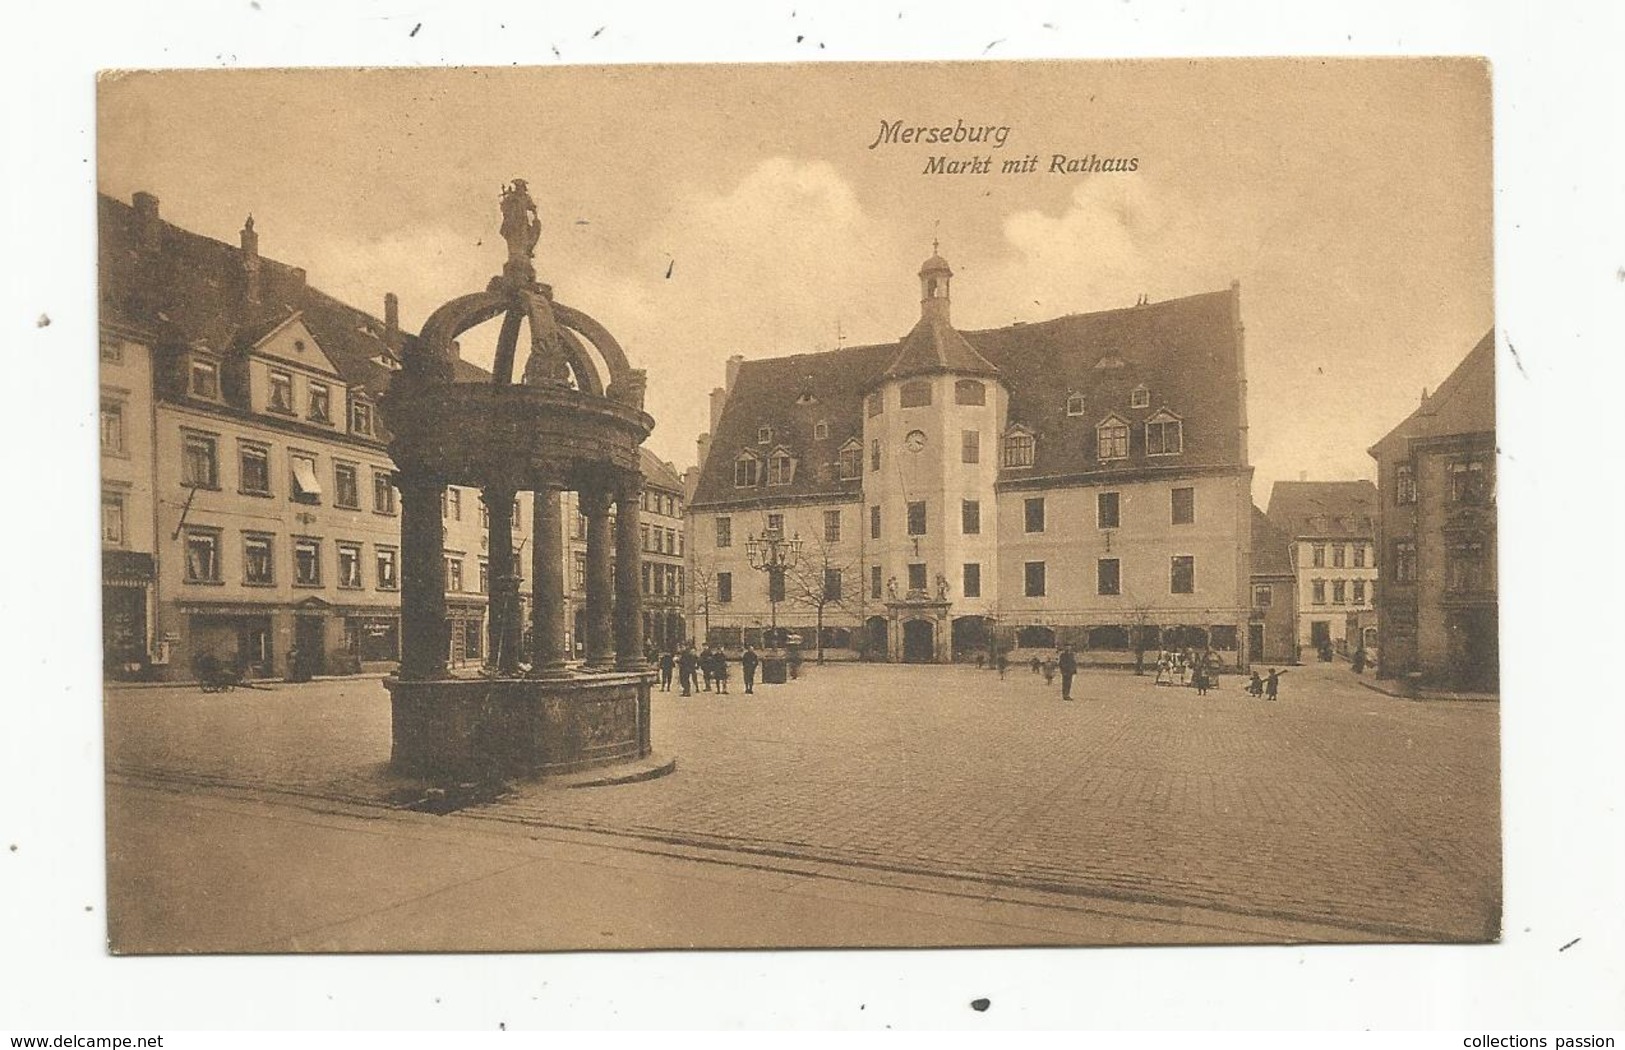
[1069, 668]
[666, 664]
[747, 663]
[685, 669]
[705, 666]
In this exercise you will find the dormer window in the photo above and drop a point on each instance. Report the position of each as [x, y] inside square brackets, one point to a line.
[916, 394]
[1074, 405]
[821, 431]
[1019, 448]
[747, 469]
[1140, 397]
[320, 404]
[851, 461]
[764, 435]
[361, 417]
[806, 398]
[1164, 435]
[1111, 438]
[205, 379]
[280, 396]
[781, 468]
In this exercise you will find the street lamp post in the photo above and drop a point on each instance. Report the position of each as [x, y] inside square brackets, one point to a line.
[773, 554]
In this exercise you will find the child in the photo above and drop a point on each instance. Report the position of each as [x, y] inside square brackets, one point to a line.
[1255, 687]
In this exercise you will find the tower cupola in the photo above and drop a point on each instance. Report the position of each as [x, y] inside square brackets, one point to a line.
[935, 275]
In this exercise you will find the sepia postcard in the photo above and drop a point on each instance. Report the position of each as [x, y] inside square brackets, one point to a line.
[799, 506]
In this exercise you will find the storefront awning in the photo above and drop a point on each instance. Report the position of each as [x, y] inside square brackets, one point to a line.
[304, 478]
[126, 569]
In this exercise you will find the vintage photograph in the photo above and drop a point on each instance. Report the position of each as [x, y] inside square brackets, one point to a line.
[799, 506]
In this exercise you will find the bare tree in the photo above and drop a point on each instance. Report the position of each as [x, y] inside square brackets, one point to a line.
[811, 583]
[702, 582]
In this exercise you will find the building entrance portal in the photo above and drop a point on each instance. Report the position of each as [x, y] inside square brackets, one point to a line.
[919, 642]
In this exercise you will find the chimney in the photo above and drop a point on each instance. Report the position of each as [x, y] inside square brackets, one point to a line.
[298, 275]
[702, 448]
[719, 399]
[733, 374]
[149, 228]
[392, 321]
[251, 261]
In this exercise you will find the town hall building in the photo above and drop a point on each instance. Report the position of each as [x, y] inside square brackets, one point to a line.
[1082, 481]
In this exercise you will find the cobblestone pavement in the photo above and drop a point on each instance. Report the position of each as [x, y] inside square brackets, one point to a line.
[1337, 805]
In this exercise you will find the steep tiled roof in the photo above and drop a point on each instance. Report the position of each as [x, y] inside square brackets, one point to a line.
[1183, 351]
[1272, 549]
[657, 472]
[936, 346]
[1463, 404]
[1324, 508]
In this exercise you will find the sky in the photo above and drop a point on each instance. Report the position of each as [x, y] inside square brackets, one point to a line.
[704, 211]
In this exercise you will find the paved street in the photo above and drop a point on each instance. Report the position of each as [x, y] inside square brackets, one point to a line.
[1337, 813]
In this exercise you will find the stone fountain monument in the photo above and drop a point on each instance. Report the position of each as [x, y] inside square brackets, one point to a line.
[572, 419]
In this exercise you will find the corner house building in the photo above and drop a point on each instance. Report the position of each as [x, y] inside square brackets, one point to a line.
[1082, 480]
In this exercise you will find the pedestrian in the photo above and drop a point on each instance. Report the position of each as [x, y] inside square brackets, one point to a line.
[666, 663]
[981, 661]
[706, 658]
[1164, 669]
[1049, 671]
[1069, 667]
[1255, 686]
[1003, 662]
[719, 670]
[1199, 679]
[685, 669]
[1272, 685]
[1037, 664]
[1358, 663]
[794, 662]
[747, 664]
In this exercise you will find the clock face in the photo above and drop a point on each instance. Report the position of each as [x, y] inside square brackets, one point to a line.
[915, 440]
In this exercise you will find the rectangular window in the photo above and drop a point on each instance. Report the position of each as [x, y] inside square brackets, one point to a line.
[1340, 592]
[1033, 518]
[970, 517]
[1404, 484]
[454, 574]
[851, 463]
[303, 486]
[915, 394]
[745, 472]
[1339, 556]
[1164, 438]
[970, 392]
[832, 526]
[1404, 561]
[1359, 592]
[1018, 450]
[874, 454]
[1317, 556]
[202, 556]
[349, 565]
[916, 577]
[112, 427]
[916, 518]
[346, 487]
[254, 469]
[205, 380]
[970, 446]
[1469, 481]
[781, 470]
[307, 563]
[451, 504]
[832, 585]
[874, 581]
[643, 536]
[971, 580]
[648, 578]
[1465, 567]
[725, 531]
[281, 393]
[200, 469]
[725, 588]
[383, 492]
[874, 523]
[1263, 596]
[1317, 591]
[321, 407]
[113, 519]
[1359, 555]
[1184, 506]
[259, 563]
[578, 570]
[1034, 579]
[1108, 576]
[485, 576]
[1112, 439]
[1182, 574]
[1108, 510]
[361, 417]
[385, 564]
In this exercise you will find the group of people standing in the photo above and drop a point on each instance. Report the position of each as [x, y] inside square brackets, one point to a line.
[708, 665]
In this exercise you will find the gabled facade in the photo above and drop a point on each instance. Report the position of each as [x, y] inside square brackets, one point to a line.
[1438, 593]
[1082, 480]
[1332, 526]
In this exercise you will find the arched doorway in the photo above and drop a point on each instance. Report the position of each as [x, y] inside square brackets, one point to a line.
[919, 642]
[875, 642]
[971, 634]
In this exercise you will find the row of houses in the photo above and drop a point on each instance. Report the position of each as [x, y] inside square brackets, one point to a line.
[249, 512]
